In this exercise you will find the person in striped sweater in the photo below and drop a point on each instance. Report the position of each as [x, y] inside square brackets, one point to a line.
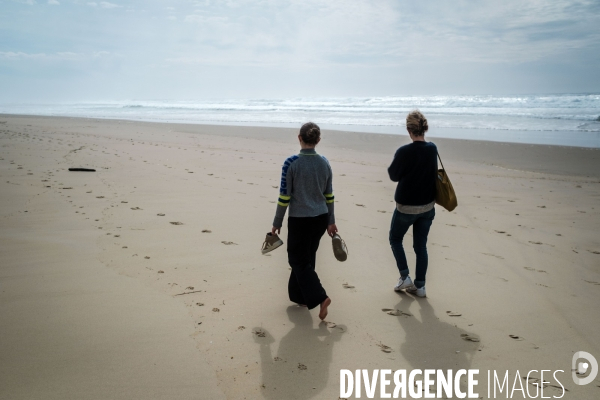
[306, 189]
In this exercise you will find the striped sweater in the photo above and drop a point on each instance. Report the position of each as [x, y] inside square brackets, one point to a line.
[306, 187]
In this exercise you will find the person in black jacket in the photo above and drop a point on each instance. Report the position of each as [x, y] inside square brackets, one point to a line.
[414, 168]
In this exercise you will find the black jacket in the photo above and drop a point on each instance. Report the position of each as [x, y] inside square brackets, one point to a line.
[414, 168]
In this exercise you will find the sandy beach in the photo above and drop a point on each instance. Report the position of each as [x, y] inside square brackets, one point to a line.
[144, 279]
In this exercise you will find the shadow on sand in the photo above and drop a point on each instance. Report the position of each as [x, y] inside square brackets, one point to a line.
[431, 343]
[300, 368]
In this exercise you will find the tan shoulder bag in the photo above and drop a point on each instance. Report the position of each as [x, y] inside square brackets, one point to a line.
[444, 192]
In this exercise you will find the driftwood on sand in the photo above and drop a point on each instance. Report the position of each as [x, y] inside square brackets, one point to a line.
[82, 169]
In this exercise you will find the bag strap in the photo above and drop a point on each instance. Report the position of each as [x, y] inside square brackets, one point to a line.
[438, 154]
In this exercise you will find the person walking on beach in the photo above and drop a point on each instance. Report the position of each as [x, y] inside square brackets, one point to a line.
[414, 168]
[306, 188]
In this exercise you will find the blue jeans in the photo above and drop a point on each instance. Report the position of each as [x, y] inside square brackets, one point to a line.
[421, 224]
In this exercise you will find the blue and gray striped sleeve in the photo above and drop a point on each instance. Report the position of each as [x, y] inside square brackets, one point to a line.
[285, 191]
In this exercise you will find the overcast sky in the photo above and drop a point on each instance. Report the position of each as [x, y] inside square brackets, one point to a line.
[184, 49]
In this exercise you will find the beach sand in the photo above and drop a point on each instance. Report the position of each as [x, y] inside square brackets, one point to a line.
[144, 279]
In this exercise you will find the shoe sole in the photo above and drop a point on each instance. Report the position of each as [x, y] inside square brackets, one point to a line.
[273, 247]
[414, 292]
[338, 249]
[407, 288]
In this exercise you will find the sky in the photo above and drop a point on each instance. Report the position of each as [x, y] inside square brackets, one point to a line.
[67, 50]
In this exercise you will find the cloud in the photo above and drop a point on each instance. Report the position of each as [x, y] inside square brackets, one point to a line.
[307, 40]
[18, 55]
[53, 2]
[98, 54]
[103, 4]
[202, 19]
[106, 4]
[58, 56]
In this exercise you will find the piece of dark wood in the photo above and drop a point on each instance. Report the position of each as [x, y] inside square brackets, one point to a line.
[82, 169]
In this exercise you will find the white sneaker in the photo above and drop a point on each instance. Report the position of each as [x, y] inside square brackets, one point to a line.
[404, 284]
[419, 292]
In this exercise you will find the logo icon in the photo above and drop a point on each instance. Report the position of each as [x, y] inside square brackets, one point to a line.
[581, 368]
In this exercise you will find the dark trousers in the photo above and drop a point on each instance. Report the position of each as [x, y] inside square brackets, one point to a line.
[304, 235]
[421, 224]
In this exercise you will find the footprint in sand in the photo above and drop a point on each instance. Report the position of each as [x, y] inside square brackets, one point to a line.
[493, 255]
[124, 247]
[592, 282]
[176, 223]
[260, 333]
[535, 242]
[535, 270]
[453, 314]
[215, 309]
[189, 288]
[124, 202]
[347, 286]
[469, 338]
[395, 312]
[206, 231]
[200, 304]
[382, 211]
[99, 197]
[302, 367]
[330, 324]
[360, 205]
[516, 337]
[228, 243]
[135, 208]
[277, 359]
[160, 214]
[594, 251]
[384, 348]
[241, 328]
[147, 257]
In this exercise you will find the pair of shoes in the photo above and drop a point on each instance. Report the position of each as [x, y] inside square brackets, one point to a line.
[272, 242]
[419, 292]
[405, 283]
[340, 250]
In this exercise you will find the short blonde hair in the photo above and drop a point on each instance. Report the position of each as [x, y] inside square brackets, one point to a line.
[416, 123]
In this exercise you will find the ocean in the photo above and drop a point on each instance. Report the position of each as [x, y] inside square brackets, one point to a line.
[558, 119]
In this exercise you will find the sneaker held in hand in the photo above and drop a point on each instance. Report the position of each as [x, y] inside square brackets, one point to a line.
[272, 242]
[340, 251]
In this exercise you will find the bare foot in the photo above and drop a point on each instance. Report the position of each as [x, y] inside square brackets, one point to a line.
[324, 305]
